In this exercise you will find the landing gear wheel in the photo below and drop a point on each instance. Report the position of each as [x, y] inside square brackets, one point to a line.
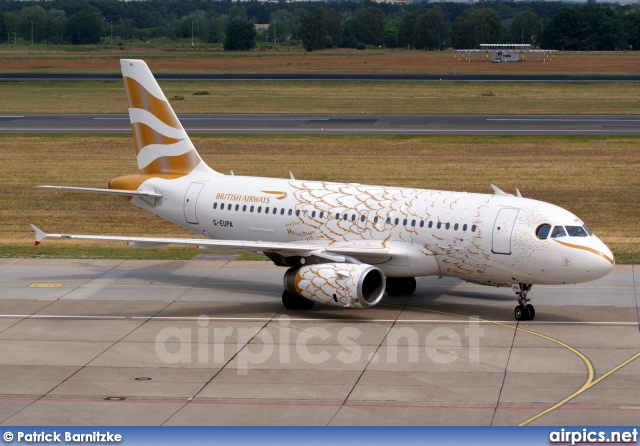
[400, 286]
[524, 311]
[520, 313]
[530, 311]
[292, 301]
[410, 285]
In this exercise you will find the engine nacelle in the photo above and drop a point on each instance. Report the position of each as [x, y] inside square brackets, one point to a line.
[337, 284]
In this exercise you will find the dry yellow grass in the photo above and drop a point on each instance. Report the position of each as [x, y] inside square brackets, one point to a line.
[595, 177]
[209, 59]
[332, 97]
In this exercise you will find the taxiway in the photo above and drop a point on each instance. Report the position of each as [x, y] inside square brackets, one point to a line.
[93, 342]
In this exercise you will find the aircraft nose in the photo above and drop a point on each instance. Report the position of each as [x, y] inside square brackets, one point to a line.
[604, 262]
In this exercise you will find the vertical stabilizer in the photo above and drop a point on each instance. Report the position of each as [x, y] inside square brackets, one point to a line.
[162, 145]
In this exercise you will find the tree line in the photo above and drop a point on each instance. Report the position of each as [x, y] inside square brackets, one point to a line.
[319, 25]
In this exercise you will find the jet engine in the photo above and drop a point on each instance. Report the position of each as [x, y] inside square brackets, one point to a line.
[337, 284]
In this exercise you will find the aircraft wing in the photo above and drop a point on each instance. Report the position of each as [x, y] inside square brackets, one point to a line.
[286, 249]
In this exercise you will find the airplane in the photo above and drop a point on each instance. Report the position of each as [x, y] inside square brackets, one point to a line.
[344, 244]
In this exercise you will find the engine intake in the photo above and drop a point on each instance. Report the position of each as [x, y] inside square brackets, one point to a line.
[337, 284]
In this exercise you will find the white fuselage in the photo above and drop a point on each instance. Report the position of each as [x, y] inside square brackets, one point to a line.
[487, 239]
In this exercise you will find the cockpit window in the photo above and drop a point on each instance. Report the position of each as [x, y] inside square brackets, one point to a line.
[543, 231]
[586, 228]
[576, 231]
[558, 231]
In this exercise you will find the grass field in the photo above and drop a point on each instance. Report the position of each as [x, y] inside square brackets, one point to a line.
[594, 177]
[210, 59]
[332, 97]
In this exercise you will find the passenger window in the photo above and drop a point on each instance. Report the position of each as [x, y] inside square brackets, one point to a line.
[337, 216]
[215, 205]
[430, 224]
[345, 217]
[321, 215]
[404, 222]
[455, 227]
[259, 209]
[290, 212]
[251, 209]
[542, 232]
[362, 218]
[353, 217]
[447, 226]
[275, 211]
[473, 228]
[396, 221]
[222, 206]
[282, 211]
[266, 210]
[558, 231]
[422, 223]
[237, 207]
[576, 231]
[229, 207]
[244, 208]
[313, 214]
[464, 227]
[298, 213]
[375, 219]
[439, 225]
[388, 220]
[413, 223]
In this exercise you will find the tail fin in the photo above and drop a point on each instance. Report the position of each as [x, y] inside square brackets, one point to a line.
[162, 145]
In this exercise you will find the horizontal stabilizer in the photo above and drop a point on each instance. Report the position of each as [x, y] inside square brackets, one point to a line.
[132, 193]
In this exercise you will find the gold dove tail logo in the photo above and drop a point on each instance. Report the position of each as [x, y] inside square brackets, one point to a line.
[162, 145]
[282, 195]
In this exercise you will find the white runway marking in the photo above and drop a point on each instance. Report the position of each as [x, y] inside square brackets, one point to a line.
[562, 120]
[264, 319]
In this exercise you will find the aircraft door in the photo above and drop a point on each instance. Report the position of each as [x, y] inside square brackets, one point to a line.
[503, 229]
[190, 202]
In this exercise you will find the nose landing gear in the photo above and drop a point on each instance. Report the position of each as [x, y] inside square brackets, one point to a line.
[524, 311]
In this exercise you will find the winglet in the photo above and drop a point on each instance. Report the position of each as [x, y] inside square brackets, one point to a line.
[39, 234]
[518, 194]
[497, 190]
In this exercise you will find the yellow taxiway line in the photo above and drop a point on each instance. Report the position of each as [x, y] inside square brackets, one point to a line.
[589, 383]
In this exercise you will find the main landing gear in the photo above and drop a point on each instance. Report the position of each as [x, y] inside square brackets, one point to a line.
[400, 286]
[524, 311]
[292, 301]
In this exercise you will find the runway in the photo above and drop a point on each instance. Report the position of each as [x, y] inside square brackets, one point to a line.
[314, 77]
[207, 342]
[338, 124]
